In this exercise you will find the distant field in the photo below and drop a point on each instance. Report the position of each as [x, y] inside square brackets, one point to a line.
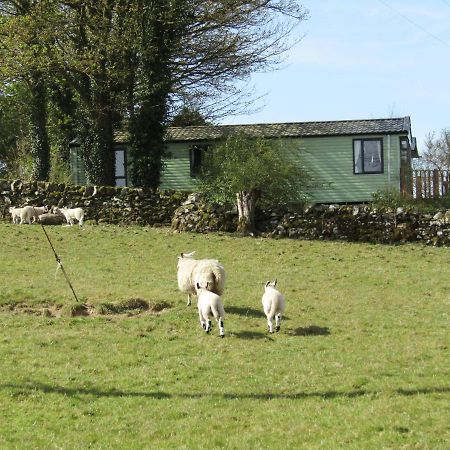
[362, 360]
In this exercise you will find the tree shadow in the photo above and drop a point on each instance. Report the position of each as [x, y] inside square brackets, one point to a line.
[417, 391]
[30, 388]
[252, 335]
[312, 330]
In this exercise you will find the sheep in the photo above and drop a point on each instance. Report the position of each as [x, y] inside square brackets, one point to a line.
[192, 271]
[51, 219]
[15, 214]
[273, 305]
[210, 305]
[29, 213]
[72, 213]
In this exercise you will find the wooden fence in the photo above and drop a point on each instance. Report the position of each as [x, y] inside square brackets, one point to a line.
[429, 183]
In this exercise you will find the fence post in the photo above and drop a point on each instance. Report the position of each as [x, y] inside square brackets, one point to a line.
[445, 174]
[427, 174]
[428, 183]
[418, 184]
[436, 189]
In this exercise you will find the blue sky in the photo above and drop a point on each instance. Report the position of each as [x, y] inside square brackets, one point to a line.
[363, 59]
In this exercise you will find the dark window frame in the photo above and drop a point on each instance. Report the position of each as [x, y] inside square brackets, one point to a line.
[363, 171]
[196, 159]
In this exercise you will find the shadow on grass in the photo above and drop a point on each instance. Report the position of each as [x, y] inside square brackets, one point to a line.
[31, 388]
[248, 312]
[312, 330]
[252, 335]
[417, 391]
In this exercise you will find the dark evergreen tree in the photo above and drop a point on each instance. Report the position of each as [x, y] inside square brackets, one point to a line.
[187, 117]
[39, 142]
[159, 33]
[128, 61]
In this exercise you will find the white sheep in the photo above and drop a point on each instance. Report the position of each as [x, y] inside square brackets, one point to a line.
[273, 305]
[15, 214]
[209, 306]
[202, 271]
[29, 213]
[72, 214]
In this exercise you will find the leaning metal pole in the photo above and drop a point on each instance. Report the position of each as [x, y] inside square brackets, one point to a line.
[58, 260]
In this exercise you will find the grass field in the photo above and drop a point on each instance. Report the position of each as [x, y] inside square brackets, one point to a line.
[361, 362]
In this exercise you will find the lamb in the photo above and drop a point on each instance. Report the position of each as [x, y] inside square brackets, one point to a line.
[15, 214]
[203, 271]
[72, 214]
[273, 305]
[29, 213]
[210, 305]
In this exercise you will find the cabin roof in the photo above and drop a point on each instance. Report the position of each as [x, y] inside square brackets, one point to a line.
[291, 129]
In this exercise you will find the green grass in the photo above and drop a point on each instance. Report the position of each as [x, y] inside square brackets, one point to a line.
[362, 360]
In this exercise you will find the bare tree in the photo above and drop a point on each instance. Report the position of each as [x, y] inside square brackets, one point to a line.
[129, 62]
[225, 42]
[437, 150]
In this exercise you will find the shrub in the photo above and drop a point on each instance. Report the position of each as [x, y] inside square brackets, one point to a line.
[388, 199]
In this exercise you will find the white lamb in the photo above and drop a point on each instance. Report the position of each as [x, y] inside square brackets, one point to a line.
[29, 213]
[203, 271]
[72, 214]
[15, 214]
[209, 306]
[273, 305]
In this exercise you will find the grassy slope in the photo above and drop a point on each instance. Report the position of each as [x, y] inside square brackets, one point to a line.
[361, 362]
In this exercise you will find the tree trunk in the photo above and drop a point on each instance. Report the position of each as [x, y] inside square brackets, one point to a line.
[40, 146]
[96, 127]
[147, 141]
[62, 97]
[246, 203]
[97, 148]
[147, 123]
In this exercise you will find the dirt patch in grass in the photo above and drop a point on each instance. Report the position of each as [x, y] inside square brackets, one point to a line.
[129, 307]
[42, 309]
[132, 307]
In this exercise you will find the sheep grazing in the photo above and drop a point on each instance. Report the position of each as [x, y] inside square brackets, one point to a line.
[209, 306]
[72, 214]
[31, 213]
[273, 305]
[203, 271]
[15, 214]
[51, 219]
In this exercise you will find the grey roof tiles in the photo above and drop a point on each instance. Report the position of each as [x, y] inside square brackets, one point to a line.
[289, 129]
[294, 129]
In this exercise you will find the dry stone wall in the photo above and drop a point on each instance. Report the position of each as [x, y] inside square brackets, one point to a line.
[353, 223]
[131, 206]
[363, 223]
[102, 204]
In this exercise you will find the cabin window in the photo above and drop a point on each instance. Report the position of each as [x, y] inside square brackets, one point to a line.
[367, 156]
[120, 167]
[195, 159]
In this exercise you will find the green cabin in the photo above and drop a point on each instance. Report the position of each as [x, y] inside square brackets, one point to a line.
[348, 160]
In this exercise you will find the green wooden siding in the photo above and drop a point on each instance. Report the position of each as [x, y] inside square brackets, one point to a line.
[329, 161]
[176, 173]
